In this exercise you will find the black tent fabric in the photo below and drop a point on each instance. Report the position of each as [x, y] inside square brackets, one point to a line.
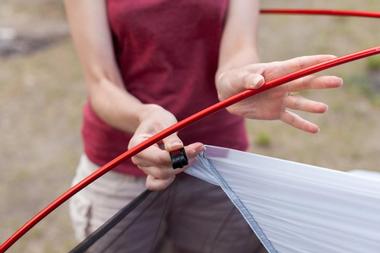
[191, 216]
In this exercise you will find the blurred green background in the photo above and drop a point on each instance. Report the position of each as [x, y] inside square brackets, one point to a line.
[42, 92]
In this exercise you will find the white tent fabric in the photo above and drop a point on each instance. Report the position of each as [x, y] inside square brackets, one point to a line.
[373, 175]
[294, 207]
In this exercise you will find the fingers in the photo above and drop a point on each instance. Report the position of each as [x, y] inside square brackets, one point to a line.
[191, 152]
[152, 156]
[156, 163]
[241, 79]
[302, 62]
[172, 142]
[157, 172]
[156, 157]
[155, 184]
[298, 122]
[294, 64]
[194, 149]
[312, 82]
[304, 104]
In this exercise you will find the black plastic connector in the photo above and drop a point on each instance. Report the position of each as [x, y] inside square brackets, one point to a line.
[179, 158]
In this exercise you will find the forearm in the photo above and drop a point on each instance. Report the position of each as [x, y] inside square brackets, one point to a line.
[238, 46]
[92, 38]
[115, 106]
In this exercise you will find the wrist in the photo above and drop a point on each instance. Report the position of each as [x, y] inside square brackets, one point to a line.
[239, 59]
[147, 110]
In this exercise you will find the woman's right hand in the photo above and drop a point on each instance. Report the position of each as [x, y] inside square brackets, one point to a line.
[155, 160]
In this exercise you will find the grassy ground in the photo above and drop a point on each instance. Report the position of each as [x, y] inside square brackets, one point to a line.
[41, 95]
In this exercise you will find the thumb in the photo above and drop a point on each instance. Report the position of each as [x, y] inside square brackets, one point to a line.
[245, 80]
[172, 142]
[253, 81]
[232, 82]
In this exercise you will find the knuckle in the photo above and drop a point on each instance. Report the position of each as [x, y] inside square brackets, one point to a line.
[152, 183]
[220, 96]
[157, 185]
[162, 174]
[232, 109]
[132, 142]
[249, 79]
[292, 120]
[135, 160]
[149, 185]
[296, 103]
[141, 168]
[222, 79]
[161, 160]
[246, 114]
[299, 64]
[275, 63]
[305, 82]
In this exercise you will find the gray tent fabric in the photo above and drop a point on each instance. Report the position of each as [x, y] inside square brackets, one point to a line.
[230, 201]
[295, 207]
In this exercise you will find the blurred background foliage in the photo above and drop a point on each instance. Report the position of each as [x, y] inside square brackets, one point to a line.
[42, 92]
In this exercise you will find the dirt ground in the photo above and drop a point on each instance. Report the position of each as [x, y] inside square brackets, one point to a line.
[42, 92]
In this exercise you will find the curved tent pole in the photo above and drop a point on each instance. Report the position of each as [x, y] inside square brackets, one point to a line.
[197, 116]
[178, 126]
[347, 13]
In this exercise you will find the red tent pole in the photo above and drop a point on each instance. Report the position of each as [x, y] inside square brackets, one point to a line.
[176, 127]
[199, 115]
[348, 13]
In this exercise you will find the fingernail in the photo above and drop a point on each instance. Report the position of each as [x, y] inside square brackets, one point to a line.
[258, 81]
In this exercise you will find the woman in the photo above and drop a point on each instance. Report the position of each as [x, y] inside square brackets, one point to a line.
[150, 63]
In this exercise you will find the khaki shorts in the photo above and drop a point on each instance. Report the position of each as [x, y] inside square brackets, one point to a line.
[94, 205]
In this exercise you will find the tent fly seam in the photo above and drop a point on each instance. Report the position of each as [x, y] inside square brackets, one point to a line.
[247, 215]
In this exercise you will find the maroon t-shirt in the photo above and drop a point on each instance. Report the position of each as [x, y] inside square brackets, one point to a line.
[167, 52]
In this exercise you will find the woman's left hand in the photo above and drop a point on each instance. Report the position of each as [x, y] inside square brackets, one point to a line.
[275, 103]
